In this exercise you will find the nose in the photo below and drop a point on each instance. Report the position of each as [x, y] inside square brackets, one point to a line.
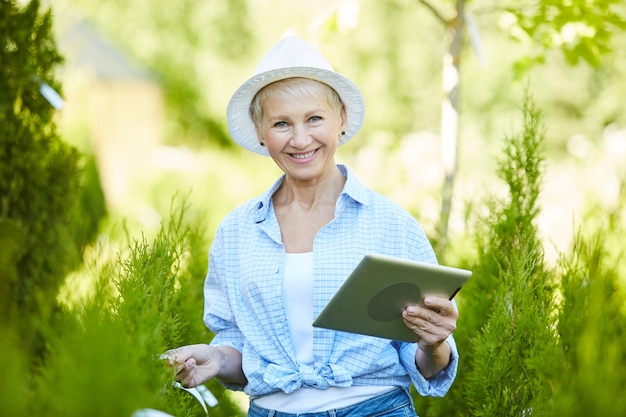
[300, 138]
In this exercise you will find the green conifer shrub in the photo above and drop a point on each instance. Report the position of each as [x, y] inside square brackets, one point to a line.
[103, 352]
[536, 341]
[590, 376]
[505, 332]
[510, 349]
[41, 232]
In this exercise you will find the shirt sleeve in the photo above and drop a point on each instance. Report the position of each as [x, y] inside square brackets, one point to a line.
[218, 315]
[438, 385]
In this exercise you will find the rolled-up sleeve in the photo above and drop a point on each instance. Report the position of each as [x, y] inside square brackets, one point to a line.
[438, 385]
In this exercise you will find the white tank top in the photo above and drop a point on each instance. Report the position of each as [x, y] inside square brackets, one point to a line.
[298, 299]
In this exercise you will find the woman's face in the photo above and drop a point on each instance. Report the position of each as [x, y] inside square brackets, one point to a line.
[301, 133]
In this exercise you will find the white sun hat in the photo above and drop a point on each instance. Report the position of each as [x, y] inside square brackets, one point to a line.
[291, 57]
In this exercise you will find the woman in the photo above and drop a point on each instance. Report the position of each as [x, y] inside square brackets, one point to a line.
[277, 260]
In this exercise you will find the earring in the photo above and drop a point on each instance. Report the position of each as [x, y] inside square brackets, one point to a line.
[262, 143]
[343, 132]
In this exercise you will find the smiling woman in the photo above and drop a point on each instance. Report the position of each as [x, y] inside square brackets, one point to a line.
[277, 260]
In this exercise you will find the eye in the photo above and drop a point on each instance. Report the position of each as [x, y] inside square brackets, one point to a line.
[315, 119]
[280, 124]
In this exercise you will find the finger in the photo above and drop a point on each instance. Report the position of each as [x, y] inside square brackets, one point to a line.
[441, 306]
[176, 362]
[186, 366]
[423, 332]
[423, 313]
[433, 317]
[168, 358]
[173, 355]
[427, 323]
[434, 304]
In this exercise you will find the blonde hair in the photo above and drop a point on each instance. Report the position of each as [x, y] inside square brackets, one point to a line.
[296, 87]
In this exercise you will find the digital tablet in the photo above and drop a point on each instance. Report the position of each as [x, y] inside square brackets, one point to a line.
[372, 299]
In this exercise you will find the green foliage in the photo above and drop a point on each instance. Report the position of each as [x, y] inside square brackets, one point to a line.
[592, 324]
[102, 351]
[41, 231]
[15, 387]
[28, 54]
[534, 340]
[505, 328]
[510, 346]
[94, 367]
[98, 358]
[581, 29]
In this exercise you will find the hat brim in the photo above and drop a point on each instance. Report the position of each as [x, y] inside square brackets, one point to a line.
[240, 124]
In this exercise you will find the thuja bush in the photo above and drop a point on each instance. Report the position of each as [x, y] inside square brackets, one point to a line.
[103, 352]
[513, 349]
[41, 222]
[98, 357]
[590, 375]
[539, 341]
[512, 340]
[505, 333]
[41, 225]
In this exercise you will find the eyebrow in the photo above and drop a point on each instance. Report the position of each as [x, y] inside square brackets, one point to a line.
[317, 110]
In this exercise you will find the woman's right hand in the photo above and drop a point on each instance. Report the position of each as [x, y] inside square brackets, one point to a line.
[196, 364]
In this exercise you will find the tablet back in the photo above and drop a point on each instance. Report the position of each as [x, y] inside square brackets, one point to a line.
[373, 297]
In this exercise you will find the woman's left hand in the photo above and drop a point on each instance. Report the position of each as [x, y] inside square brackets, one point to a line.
[432, 323]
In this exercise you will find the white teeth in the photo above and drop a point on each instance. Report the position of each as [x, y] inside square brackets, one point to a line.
[303, 155]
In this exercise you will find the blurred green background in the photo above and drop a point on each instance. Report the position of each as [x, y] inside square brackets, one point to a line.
[145, 86]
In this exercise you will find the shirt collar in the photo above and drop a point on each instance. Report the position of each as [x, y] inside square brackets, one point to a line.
[353, 189]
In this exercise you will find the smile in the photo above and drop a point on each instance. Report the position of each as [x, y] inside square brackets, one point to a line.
[303, 155]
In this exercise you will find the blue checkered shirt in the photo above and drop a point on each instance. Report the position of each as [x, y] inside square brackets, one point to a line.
[243, 295]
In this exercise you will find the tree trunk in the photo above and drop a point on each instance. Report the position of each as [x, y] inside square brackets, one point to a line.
[450, 113]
